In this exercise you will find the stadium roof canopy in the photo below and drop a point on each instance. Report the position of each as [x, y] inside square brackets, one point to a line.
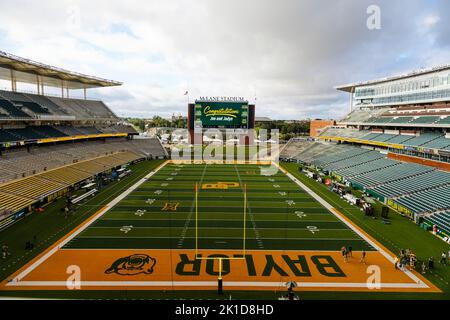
[351, 87]
[17, 69]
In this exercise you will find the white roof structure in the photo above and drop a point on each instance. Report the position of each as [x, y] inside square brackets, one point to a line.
[17, 69]
[351, 87]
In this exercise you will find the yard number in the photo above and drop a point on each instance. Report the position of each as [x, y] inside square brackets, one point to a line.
[126, 229]
[290, 202]
[140, 212]
[300, 214]
[312, 229]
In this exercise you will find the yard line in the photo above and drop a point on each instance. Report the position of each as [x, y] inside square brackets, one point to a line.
[265, 238]
[232, 228]
[189, 217]
[218, 219]
[244, 284]
[249, 209]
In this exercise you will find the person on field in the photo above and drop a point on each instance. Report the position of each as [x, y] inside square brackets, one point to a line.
[363, 256]
[66, 212]
[349, 251]
[396, 262]
[344, 253]
[424, 267]
[431, 263]
[412, 261]
[443, 258]
[5, 251]
[404, 262]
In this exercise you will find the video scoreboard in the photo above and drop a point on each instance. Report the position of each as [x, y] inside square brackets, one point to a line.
[222, 113]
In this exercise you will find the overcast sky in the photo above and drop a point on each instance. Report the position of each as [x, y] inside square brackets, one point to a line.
[289, 54]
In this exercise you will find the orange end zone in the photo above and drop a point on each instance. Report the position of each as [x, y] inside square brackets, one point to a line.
[178, 269]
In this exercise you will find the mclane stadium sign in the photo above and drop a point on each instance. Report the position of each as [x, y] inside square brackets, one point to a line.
[221, 99]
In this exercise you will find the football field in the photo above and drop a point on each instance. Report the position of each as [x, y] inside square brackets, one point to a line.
[185, 224]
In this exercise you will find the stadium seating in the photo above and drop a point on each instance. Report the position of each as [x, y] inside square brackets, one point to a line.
[400, 139]
[427, 201]
[47, 104]
[371, 170]
[377, 164]
[12, 110]
[373, 179]
[422, 139]
[15, 104]
[402, 120]
[425, 120]
[380, 120]
[414, 184]
[293, 147]
[440, 143]
[434, 140]
[441, 219]
[445, 120]
[20, 193]
[362, 115]
[407, 119]
[18, 164]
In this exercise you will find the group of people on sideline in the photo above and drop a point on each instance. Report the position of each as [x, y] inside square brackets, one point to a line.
[407, 258]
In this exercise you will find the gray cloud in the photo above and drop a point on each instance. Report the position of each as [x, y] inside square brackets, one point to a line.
[290, 53]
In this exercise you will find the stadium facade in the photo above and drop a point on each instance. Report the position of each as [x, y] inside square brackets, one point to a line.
[394, 144]
[50, 146]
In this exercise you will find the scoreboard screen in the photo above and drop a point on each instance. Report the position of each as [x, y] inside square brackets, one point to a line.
[216, 114]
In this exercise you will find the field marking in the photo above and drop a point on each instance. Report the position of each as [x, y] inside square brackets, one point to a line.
[217, 219]
[165, 237]
[191, 211]
[214, 284]
[252, 220]
[66, 239]
[374, 243]
[221, 227]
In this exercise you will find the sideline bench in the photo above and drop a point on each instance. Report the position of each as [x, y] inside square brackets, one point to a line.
[84, 196]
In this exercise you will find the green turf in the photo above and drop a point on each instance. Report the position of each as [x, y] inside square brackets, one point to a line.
[279, 214]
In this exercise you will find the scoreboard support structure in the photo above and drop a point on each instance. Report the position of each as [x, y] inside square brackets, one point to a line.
[205, 114]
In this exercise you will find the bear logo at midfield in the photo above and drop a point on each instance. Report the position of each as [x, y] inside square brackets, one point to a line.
[132, 265]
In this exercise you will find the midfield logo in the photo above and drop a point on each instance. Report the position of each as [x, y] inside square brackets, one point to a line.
[132, 265]
[220, 185]
[170, 206]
